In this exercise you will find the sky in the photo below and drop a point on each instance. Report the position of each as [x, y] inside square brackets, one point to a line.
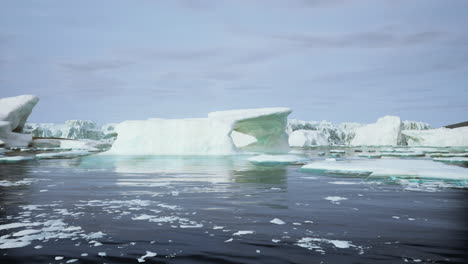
[335, 60]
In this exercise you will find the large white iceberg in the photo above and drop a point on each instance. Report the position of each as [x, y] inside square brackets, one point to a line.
[14, 112]
[440, 137]
[204, 136]
[386, 132]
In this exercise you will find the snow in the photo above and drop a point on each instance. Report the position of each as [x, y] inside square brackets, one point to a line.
[386, 132]
[305, 138]
[277, 221]
[440, 137]
[390, 168]
[284, 159]
[203, 136]
[13, 114]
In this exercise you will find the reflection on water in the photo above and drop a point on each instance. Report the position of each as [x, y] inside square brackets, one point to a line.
[221, 210]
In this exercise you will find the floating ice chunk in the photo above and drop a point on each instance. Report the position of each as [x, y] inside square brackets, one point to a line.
[102, 254]
[277, 221]
[448, 155]
[229, 240]
[14, 159]
[343, 182]
[460, 160]
[26, 232]
[65, 154]
[339, 151]
[390, 168]
[16, 225]
[307, 242]
[275, 240]
[243, 232]
[71, 261]
[335, 199]
[277, 159]
[404, 154]
[149, 254]
[370, 155]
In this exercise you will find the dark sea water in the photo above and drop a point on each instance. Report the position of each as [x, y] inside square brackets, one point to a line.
[104, 209]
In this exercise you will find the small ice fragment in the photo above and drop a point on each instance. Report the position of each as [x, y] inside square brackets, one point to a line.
[58, 258]
[149, 254]
[38, 247]
[102, 254]
[246, 232]
[218, 227]
[275, 240]
[411, 219]
[229, 240]
[71, 260]
[335, 199]
[258, 251]
[277, 221]
[396, 217]
[84, 254]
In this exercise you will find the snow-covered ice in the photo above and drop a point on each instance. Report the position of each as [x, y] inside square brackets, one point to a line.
[14, 158]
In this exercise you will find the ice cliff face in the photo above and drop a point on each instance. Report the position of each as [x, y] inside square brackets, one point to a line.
[72, 129]
[205, 136]
[14, 112]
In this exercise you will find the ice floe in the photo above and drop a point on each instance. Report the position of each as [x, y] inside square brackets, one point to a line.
[277, 221]
[148, 254]
[277, 159]
[390, 168]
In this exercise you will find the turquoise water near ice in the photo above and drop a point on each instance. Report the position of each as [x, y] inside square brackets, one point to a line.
[195, 209]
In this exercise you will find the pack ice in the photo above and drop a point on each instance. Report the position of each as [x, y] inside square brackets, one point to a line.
[262, 129]
[13, 114]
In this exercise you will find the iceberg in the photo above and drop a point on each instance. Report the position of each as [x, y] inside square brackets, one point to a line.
[390, 168]
[440, 137]
[204, 136]
[385, 132]
[71, 129]
[14, 112]
[306, 138]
